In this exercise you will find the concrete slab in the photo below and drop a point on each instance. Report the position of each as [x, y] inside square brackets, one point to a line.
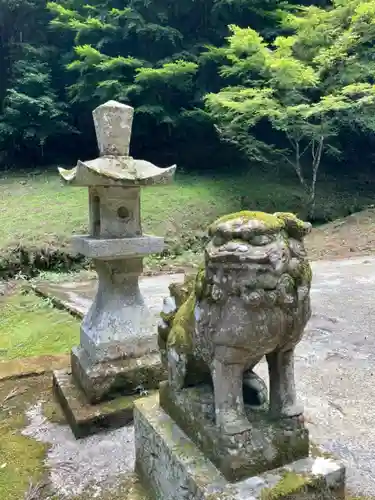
[77, 296]
[335, 364]
[86, 419]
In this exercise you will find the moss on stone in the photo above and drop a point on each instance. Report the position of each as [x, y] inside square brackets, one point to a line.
[168, 318]
[295, 227]
[289, 484]
[120, 403]
[289, 217]
[316, 452]
[52, 411]
[180, 335]
[187, 413]
[303, 273]
[269, 220]
[200, 282]
[181, 291]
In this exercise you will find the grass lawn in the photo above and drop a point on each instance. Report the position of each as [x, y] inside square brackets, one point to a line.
[38, 214]
[31, 326]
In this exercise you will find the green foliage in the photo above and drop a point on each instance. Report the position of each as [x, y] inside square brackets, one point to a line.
[306, 85]
[163, 57]
[31, 110]
[149, 54]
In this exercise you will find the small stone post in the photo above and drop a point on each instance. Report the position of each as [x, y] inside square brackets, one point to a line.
[118, 334]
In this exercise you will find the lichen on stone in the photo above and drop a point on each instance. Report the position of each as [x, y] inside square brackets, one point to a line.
[289, 484]
[304, 274]
[255, 261]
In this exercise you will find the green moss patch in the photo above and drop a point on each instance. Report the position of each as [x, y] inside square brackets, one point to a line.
[21, 463]
[31, 326]
[270, 221]
[291, 483]
[180, 334]
[294, 226]
[21, 458]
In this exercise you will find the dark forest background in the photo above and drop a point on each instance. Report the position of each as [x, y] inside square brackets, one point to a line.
[172, 61]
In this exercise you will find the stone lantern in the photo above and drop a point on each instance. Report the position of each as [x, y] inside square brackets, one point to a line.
[118, 347]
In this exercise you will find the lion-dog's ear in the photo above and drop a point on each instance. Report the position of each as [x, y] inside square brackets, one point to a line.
[295, 227]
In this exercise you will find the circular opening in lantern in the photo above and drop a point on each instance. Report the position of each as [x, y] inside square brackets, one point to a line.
[123, 213]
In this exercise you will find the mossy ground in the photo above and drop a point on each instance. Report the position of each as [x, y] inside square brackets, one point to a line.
[31, 326]
[22, 458]
[38, 214]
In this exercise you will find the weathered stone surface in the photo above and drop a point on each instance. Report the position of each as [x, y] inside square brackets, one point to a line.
[123, 172]
[78, 295]
[174, 468]
[115, 248]
[268, 445]
[115, 377]
[113, 126]
[84, 418]
[197, 371]
[117, 338]
[119, 317]
[252, 299]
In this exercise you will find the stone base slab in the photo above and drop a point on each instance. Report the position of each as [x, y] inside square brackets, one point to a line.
[119, 248]
[173, 468]
[116, 377]
[84, 418]
[268, 445]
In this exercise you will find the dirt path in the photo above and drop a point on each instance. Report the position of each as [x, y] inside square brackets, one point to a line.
[352, 236]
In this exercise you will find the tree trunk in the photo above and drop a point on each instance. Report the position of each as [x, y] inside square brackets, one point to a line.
[317, 151]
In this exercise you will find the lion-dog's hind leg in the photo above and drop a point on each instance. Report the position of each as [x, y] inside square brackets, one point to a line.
[228, 394]
[282, 392]
[177, 366]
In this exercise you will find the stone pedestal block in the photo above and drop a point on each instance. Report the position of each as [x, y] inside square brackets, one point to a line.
[174, 468]
[117, 376]
[84, 418]
[120, 323]
[268, 445]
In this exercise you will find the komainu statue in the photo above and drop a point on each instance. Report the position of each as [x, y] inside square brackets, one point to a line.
[251, 299]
